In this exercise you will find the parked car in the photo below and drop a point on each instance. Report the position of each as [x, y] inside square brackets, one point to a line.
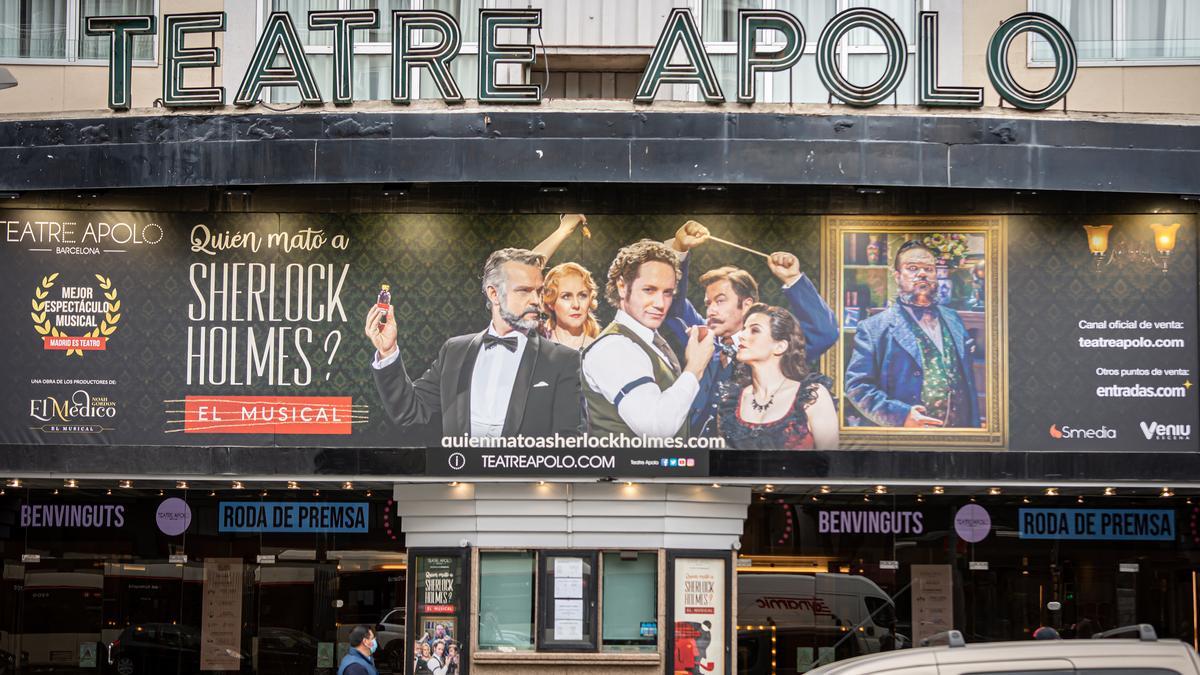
[389, 633]
[1145, 654]
[155, 648]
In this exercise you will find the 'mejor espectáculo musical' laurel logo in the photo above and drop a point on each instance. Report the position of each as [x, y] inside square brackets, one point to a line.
[58, 306]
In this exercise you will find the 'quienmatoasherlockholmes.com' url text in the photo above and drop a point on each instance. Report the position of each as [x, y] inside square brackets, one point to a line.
[585, 441]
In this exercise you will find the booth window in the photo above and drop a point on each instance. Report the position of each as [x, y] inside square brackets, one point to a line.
[630, 607]
[567, 601]
[506, 601]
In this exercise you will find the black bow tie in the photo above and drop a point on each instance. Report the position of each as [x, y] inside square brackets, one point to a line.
[919, 312]
[509, 343]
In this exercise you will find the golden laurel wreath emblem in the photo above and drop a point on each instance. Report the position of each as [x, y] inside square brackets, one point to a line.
[107, 327]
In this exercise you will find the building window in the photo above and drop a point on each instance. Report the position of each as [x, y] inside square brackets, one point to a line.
[860, 55]
[53, 30]
[630, 602]
[97, 47]
[33, 29]
[1123, 32]
[373, 49]
[506, 601]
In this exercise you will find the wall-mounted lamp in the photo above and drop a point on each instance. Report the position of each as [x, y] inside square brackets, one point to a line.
[1164, 241]
[1118, 249]
[1097, 236]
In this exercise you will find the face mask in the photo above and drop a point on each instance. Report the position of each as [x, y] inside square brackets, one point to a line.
[374, 645]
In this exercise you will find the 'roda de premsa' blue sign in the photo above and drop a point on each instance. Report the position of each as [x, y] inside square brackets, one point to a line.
[346, 517]
[1098, 524]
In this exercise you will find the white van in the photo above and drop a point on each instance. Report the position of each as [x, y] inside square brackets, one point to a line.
[813, 619]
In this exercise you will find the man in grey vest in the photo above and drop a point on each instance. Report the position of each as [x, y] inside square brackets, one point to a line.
[633, 383]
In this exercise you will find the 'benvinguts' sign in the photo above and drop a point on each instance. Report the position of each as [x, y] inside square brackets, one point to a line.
[431, 40]
[73, 515]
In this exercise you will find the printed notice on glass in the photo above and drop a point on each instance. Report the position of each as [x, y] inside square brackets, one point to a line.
[932, 601]
[568, 567]
[568, 630]
[221, 627]
[570, 587]
[568, 610]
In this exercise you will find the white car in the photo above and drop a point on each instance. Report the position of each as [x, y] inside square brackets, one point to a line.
[1145, 654]
[389, 634]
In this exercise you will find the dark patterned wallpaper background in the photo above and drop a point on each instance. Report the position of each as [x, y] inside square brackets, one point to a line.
[433, 263]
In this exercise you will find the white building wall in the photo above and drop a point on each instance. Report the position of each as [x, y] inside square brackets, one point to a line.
[571, 515]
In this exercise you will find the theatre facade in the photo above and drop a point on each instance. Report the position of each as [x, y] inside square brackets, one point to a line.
[235, 233]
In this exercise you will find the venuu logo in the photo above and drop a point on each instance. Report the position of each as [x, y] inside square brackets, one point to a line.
[1166, 432]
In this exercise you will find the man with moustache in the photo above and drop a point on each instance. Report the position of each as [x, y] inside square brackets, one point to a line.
[503, 381]
[729, 292]
[911, 364]
[633, 383]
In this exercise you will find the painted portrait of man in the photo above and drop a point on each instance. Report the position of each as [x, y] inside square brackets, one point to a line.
[912, 362]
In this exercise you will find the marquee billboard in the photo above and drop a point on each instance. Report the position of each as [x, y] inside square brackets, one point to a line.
[1019, 333]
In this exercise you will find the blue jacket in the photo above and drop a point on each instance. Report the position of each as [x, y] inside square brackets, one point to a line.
[810, 309]
[883, 378]
[354, 663]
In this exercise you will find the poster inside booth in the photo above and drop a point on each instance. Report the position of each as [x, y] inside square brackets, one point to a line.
[700, 611]
[438, 612]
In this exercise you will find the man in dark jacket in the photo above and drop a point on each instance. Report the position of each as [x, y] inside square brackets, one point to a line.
[504, 381]
[358, 660]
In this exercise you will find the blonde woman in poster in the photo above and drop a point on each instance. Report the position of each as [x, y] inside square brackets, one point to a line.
[775, 402]
[570, 295]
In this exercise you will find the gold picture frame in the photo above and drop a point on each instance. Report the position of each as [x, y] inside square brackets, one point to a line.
[993, 433]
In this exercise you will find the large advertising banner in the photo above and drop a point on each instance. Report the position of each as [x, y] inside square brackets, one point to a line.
[609, 345]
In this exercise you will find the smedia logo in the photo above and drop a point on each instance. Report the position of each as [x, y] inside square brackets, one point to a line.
[1057, 432]
[1155, 431]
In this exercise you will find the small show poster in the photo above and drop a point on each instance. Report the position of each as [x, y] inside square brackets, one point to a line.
[933, 601]
[437, 643]
[699, 616]
[221, 630]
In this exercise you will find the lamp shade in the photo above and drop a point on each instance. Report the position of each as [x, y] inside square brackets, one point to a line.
[7, 79]
[1097, 238]
[1164, 237]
